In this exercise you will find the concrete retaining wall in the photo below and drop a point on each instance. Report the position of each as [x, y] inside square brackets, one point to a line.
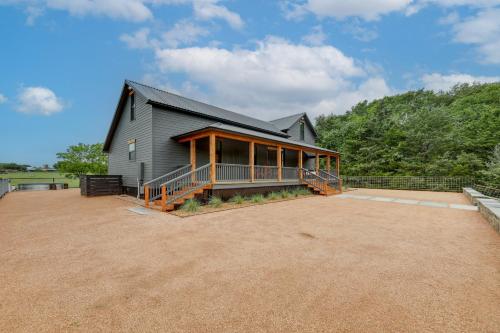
[488, 207]
[473, 195]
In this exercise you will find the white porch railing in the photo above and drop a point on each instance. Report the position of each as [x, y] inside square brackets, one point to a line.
[232, 172]
[186, 183]
[266, 172]
[154, 185]
[290, 173]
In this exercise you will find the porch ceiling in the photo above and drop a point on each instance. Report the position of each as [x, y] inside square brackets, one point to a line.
[249, 135]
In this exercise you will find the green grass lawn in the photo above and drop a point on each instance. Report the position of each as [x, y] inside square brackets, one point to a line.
[39, 177]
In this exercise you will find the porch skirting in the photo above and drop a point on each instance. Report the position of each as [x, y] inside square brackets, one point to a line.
[228, 193]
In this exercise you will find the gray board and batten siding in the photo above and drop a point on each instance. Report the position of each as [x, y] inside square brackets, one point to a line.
[138, 130]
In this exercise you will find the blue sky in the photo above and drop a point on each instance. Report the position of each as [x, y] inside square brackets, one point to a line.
[64, 61]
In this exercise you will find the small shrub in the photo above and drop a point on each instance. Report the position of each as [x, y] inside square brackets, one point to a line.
[257, 198]
[284, 194]
[301, 191]
[215, 202]
[237, 199]
[191, 205]
[273, 196]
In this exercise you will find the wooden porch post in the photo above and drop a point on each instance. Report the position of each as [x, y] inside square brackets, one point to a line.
[279, 162]
[163, 198]
[337, 164]
[212, 158]
[300, 164]
[317, 162]
[337, 167]
[328, 161]
[251, 160]
[192, 153]
[146, 196]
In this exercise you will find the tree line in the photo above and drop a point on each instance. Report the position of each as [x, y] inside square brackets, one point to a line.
[420, 133]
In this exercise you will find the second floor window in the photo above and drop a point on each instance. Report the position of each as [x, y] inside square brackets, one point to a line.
[302, 130]
[132, 107]
[131, 150]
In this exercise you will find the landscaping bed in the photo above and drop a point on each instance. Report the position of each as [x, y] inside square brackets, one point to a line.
[215, 204]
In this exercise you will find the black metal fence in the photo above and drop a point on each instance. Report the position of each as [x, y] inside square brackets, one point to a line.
[489, 191]
[444, 184]
[94, 185]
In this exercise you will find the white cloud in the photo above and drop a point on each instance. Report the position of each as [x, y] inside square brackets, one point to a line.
[276, 78]
[209, 9]
[137, 40]
[316, 37]
[129, 10]
[39, 100]
[183, 33]
[33, 12]
[440, 82]
[482, 30]
[371, 10]
[3, 99]
[359, 32]
[340, 9]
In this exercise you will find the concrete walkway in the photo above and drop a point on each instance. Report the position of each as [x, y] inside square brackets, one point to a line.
[404, 201]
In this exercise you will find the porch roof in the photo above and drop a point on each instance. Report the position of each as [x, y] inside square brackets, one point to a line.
[250, 133]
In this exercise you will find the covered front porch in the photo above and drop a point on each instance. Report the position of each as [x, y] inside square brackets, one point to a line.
[223, 157]
[239, 160]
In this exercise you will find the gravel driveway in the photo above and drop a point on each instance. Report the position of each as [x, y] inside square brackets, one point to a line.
[317, 264]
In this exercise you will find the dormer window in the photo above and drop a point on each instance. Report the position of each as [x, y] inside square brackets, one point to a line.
[302, 129]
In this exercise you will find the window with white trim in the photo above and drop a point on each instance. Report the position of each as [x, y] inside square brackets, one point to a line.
[131, 150]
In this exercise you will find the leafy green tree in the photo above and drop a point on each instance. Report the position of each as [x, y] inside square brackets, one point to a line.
[83, 159]
[418, 133]
[492, 173]
[13, 167]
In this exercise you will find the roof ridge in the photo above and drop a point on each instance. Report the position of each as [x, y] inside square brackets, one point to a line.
[168, 92]
[290, 116]
[193, 100]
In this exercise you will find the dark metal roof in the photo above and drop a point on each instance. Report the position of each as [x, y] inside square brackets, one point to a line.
[252, 133]
[161, 97]
[285, 123]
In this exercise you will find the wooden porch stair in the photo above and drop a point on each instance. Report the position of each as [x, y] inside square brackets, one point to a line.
[329, 191]
[180, 201]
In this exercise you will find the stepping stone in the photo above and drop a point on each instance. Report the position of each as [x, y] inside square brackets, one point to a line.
[344, 196]
[140, 210]
[407, 201]
[464, 207]
[433, 204]
[382, 199]
[361, 197]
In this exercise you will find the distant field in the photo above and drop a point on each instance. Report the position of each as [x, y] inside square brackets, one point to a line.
[39, 177]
